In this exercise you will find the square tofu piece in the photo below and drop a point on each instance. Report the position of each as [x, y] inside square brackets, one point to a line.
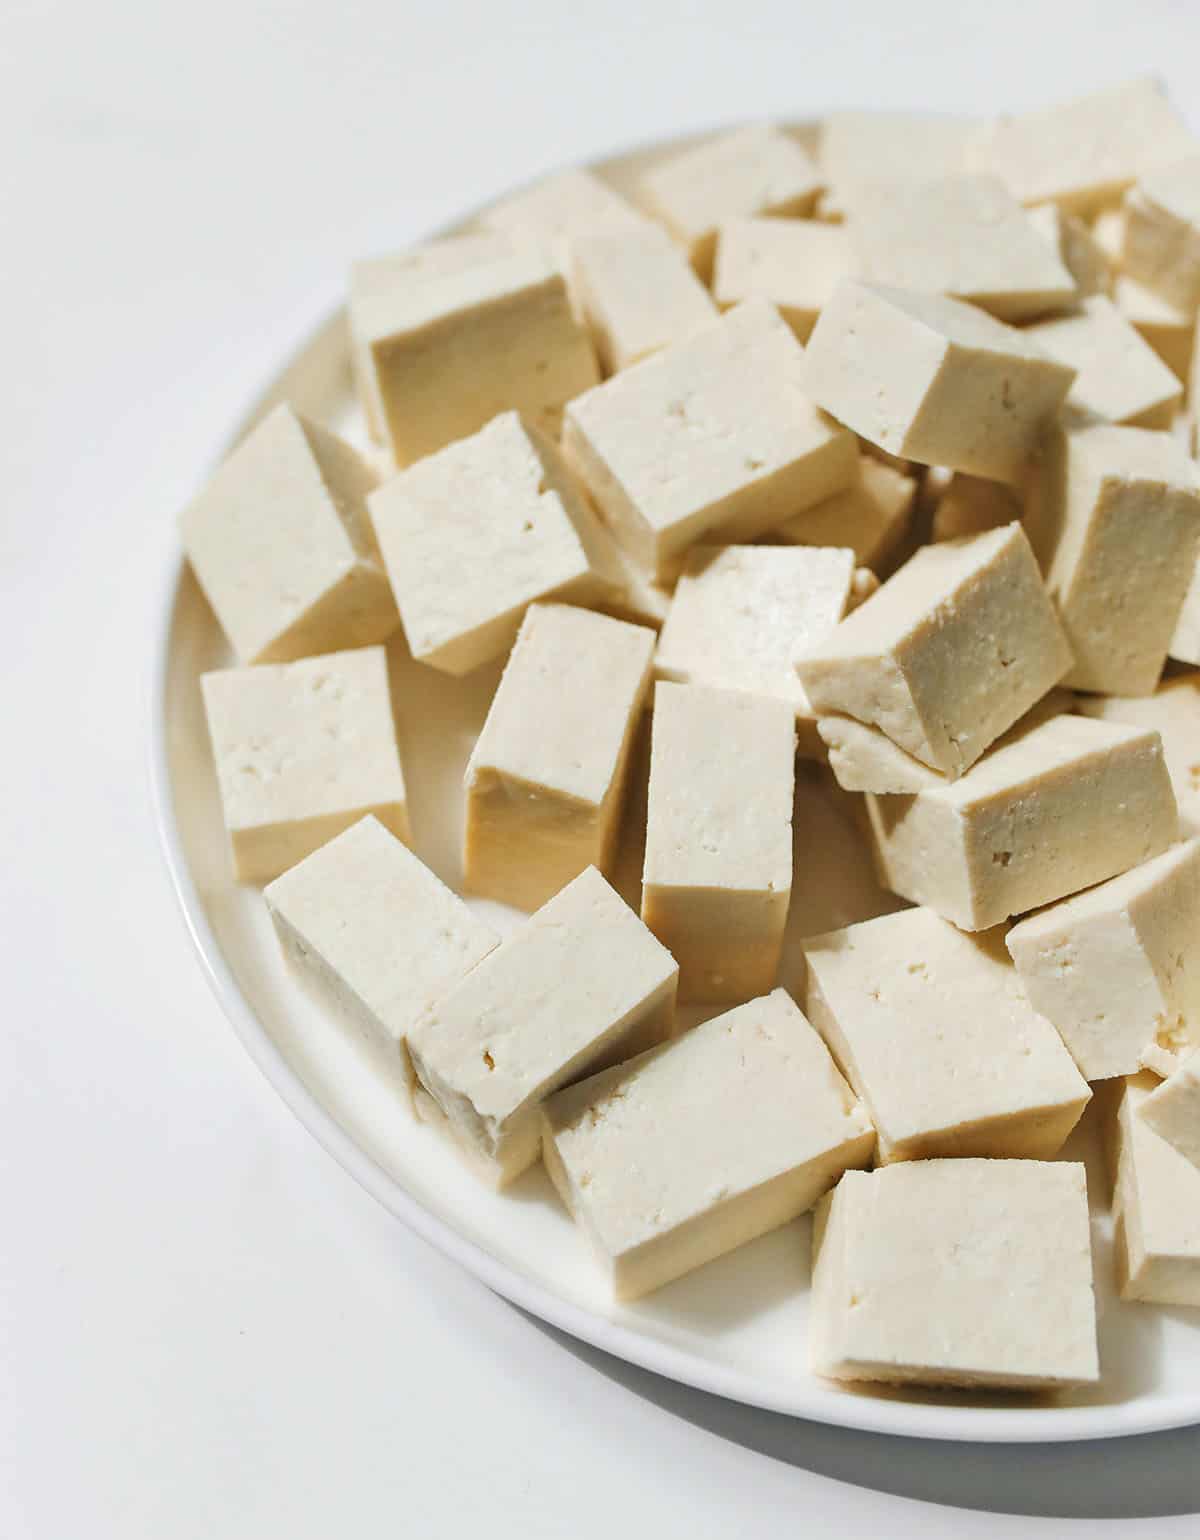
[933, 380]
[375, 934]
[1055, 808]
[449, 336]
[872, 517]
[971, 505]
[1162, 233]
[1120, 377]
[956, 1272]
[794, 263]
[546, 780]
[692, 1149]
[583, 984]
[1171, 332]
[718, 873]
[1172, 1109]
[281, 544]
[1157, 1208]
[712, 436]
[951, 651]
[303, 750]
[1077, 248]
[474, 534]
[862, 150]
[1174, 711]
[754, 170]
[965, 236]
[932, 1029]
[1116, 531]
[1117, 969]
[559, 206]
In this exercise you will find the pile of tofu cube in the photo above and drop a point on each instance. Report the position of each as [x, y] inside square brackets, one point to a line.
[874, 447]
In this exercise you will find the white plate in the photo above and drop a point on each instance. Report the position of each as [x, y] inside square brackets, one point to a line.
[737, 1327]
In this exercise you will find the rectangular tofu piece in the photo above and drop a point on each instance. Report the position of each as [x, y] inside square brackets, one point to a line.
[932, 379]
[1120, 377]
[794, 263]
[712, 436]
[952, 650]
[1053, 809]
[956, 1272]
[375, 934]
[1117, 968]
[1174, 712]
[546, 780]
[1171, 332]
[1172, 1109]
[582, 985]
[862, 149]
[717, 878]
[1077, 247]
[302, 751]
[1161, 246]
[971, 505]
[1157, 1208]
[700, 1146]
[872, 517]
[556, 207]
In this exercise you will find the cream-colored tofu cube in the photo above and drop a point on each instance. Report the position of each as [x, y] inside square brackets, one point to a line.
[1120, 377]
[556, 207]
[1174, 712]
[971, 505]
[754, 170]
[1117, 968]
[449, 336]
[302, 751]
[472, 535]
[582, 985]
[953, 649]
[1161, 246]
[712, 436]
[794, 263]
[956, 1272]
[933, 380]
[1171, 332]
[872, 517]
[1157, 1208]
[1052, 809]
[1172, 1109]
[546, 780]
[697, 1147]
[717, 878]
[864, 759]
[1077, 247]
[641, 598]
[280, 543]
[862, 149]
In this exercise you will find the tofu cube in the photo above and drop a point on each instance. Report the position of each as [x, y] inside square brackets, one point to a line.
[558, 207]
[933, 380]
[1162, 233]
[864, 759]
[795, 264]
[281, 544]
[1174, 712]
[1172, 1109]
[864, 149]
[956, 1272]
[700, 1146]
[1171, 332]
[872, 517]
[472, 535]
[1076, 246]
[712, 436]
[1184, 645]
[547, 777]
[1157, 1208]
[1120, 377]
[583, 984]
[717, 878]
[971, 505]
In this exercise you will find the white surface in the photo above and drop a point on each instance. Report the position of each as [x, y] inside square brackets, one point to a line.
[205, 1328]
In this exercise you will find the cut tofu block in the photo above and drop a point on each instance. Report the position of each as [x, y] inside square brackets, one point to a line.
[1171, 332]
[933, 380]
[712, 436]
[637, 291]
[448, 336]
[280, 543]
[559, 206]
[1052, 809]
[583, 984]
[1172, 1109]
[932, 1029]
[1117, 969]
[1174, 712]
[862, 150]
[956, 1272]
[1083, 154]
[872, 516]
[1116, 532]
[754, 170]
[375, 934]
[546, 780]
[1157, 1208]
[965, 236]
[303, 750]
[718, 871]
[1162, 233]
[474, 534]
[971, 505]
[794, 263]
[641, 598]
[1120, 377]
[1076, 246]
[864, 759]
[1184, 645]
[951, 651]
[692, 1149]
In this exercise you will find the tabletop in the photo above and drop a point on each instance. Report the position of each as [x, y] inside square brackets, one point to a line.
[205, 1328]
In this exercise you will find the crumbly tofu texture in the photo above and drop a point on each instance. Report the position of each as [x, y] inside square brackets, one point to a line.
[474, 534]
[713, 436]
[1172, 1109]
[375, 933]
[1117, 968]
[695, 1148]
[582, 985]
[717, 877]
[1157, 1208]
[971, 505]
[1174, 712]
[934, 380]
[1162, 233]
[794, 263]
[1054, 808]
[862, 150]
[1120, 377]
[952, 650]
[873, 516]
[546, 781]
[281, 544]
[956, 1272]
[302, 751]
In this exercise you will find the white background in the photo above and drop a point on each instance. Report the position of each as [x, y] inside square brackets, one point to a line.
[205, 1329]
